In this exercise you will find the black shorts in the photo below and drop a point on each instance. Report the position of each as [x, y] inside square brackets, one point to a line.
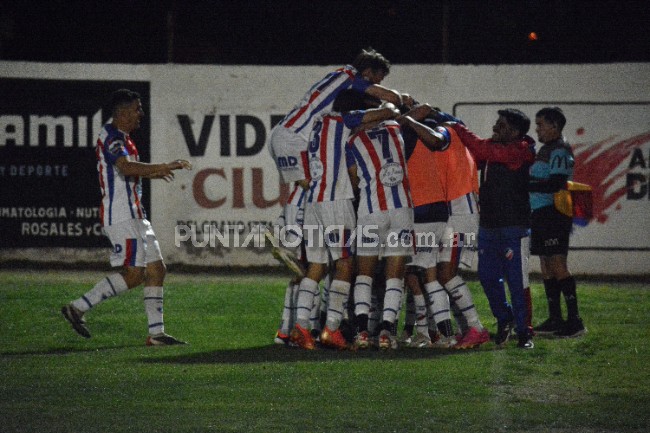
[549, 232]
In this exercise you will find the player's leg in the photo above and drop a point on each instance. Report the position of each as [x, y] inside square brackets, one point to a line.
[491, 272]
[127, 253]
[517, 256]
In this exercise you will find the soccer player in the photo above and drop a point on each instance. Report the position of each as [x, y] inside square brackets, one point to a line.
[329, 222]
[431, 316]
[135, 247]
[504, 227]
[550, 229]
[377, 167]
[458, 173]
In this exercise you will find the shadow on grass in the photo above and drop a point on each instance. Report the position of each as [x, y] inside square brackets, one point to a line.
[275, 353]
[66, 350]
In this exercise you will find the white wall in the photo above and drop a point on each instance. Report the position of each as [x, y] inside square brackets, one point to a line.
[604, 103]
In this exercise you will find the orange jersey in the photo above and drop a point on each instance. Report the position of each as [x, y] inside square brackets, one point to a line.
[441, 176]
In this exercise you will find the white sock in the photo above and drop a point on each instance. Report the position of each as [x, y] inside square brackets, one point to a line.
[421, 321]
[362, 295]
[393, 299]
[308, 289]
[339, 293]
[153, 305]
[460, 294]
[317, 306]
[285, 324]
[438, 302]
[108, 287]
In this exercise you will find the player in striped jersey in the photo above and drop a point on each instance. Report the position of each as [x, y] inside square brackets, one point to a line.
[377, 164]
[290, 137]
[329, 222]
[124, 222]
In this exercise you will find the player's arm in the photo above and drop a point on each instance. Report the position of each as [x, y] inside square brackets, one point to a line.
[351, 164]
[482, 150]
[435, 139]
[389, 95]
[368, 119]
[153, 171]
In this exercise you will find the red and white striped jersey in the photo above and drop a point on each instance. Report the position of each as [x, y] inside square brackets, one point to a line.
[320, 98]
[378, 154]
[327, 164]
[121, 195]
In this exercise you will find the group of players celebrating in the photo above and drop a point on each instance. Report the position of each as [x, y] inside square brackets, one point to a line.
[394, 174]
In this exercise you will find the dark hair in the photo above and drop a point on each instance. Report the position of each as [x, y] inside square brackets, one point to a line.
[370, 58]
[553, 115]
[349, 100]
[517, 119]
[121, 98]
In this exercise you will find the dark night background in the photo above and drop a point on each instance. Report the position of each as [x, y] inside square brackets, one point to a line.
[325, 32]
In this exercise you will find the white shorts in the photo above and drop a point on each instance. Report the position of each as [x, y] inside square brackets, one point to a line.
[285, 147]
[134, 243]
[459, 239]
[428, 238]
[388, 233]
[328, 229]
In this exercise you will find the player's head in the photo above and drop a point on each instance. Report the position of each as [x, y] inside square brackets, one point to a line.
[516, 119]
[122, 98]
[554, 116]
[549, 123]
[372, 65]
[511, 125]
[126, 109]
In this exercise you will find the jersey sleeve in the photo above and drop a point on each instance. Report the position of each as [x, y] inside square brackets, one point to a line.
[485, 150]
[360, 84]
[352, 119]
[114, 149]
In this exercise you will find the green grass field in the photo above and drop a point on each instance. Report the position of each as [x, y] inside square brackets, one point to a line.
[231, 378]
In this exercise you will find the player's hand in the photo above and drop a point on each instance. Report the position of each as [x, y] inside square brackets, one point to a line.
[180, 164]
[407, 100]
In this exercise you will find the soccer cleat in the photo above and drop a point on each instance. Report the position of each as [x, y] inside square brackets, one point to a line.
[302, 338]
[75, 317]
[386, 340]
[473, 338]
[443, 342]
[525, 341]
[334, 339]
[362, 340]
[420, 341]
[504, 329]
[405, 338]
[163, 339]
[284, 256]
[572, 328]
[281, 338]
[549, 327]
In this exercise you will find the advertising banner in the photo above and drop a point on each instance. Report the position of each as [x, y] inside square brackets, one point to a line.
[49, 189]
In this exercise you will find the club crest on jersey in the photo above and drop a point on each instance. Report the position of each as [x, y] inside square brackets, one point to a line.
[391, 174]
[315, 168]
[509, 253]
[115, 147]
